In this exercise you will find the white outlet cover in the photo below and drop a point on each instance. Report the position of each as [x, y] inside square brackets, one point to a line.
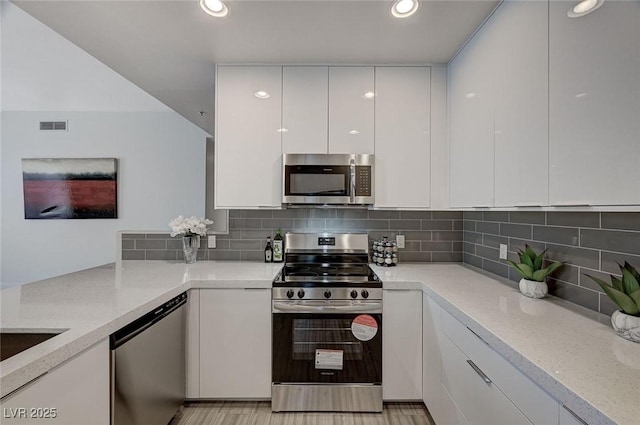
[211, 241]
[400, 241]
[503, 251]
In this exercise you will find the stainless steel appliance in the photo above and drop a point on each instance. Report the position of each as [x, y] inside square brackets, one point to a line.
[148, 366]
[328, 179]
[327, 326]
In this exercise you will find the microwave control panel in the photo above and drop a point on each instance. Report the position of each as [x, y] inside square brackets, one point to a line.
[363, 180]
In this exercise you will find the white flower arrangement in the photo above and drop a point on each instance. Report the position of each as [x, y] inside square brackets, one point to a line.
[189, 226]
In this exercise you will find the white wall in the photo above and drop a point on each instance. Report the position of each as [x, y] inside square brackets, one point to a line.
[161, 169]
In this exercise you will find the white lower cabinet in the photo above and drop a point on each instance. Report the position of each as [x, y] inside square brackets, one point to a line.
[402, 345]
[466, 382]
[73, 393]
[235, 343]
[441, 406]
[480, 400]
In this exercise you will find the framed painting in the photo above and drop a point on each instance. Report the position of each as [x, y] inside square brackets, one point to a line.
[70, 188]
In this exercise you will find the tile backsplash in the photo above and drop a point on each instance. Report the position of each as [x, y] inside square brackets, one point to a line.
[590, 242]
[430, 236]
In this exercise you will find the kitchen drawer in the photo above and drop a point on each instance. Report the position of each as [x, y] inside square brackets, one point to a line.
[480, 401]
[534, 402]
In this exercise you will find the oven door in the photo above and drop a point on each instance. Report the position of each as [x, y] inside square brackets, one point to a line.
[327, 348]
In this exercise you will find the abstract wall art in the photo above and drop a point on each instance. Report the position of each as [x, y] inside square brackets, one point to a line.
[70, 188]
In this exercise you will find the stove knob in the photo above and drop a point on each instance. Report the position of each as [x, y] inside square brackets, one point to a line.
[354, 294]
[301, 293]
[327, 294]
[290, 293]
[365, 293]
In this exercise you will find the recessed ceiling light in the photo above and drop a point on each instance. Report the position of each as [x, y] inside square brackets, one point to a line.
[215, 8]
[584, 7]
[470, 95]
[404, 8]
[260, 94]
[368, 95]
[282, 130]
[354, 132]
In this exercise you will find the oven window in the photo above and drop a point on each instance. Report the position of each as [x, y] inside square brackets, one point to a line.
[301, 341]
[317, 184]
[310, 335]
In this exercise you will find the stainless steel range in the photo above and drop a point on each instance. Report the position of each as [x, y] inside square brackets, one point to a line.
[327, 326]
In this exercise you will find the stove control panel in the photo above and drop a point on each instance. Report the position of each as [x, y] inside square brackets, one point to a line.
[320, 293]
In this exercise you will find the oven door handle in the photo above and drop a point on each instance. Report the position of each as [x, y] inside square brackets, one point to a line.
[339, 308]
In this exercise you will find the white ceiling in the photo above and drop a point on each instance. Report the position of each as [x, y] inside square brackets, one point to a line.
[170, 48]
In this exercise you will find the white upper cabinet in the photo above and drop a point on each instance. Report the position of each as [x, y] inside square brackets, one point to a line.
[351, 109]
[402, 137]
[594, 87]
[471, 129]
[521, 104]
[305, 110]
[499, 111]
[248, 142]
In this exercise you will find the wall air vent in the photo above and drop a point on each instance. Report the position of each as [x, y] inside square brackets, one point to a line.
[54, 125]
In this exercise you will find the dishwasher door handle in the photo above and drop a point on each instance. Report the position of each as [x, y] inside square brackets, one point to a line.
[143, 323]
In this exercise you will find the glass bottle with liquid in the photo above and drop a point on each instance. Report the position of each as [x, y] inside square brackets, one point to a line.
[278, 248]
[268, 251]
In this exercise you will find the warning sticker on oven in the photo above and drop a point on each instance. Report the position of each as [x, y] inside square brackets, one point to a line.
[329, 359]
[364, 327]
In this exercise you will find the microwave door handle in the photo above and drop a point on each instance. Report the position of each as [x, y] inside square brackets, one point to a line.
[352, 181]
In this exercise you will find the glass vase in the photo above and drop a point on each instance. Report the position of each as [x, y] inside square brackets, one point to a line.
[190, 245]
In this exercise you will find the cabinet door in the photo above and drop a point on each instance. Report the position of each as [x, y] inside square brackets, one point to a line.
[192, 349]
[235, 343]
[402, 137]
[74, 393]
[521, 104]
[481, 403]
[471, 100]
[351, 110]
[538, 406]
[594, 89]
[402, 345]
[305, 110]
[248, 144]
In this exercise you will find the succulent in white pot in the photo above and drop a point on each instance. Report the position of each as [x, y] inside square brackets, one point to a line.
[533, 283]
[625, 293]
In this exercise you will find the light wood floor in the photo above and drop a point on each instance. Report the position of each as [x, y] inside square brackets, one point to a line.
[259, 413]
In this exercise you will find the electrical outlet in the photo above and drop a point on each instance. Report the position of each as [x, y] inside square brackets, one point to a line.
[211, 241]
[400, 241]
[503, 251]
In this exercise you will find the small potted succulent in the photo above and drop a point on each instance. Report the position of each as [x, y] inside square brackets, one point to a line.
[533, 283]
[625, 293]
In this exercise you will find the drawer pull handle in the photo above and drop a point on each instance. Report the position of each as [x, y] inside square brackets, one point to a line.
[578, 418]
[479, 337]
[484, 377]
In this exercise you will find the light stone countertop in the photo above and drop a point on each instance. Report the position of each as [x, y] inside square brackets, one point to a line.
[96, 302]
[569, 351]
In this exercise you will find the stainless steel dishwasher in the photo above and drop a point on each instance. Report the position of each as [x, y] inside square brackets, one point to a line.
[148, 366]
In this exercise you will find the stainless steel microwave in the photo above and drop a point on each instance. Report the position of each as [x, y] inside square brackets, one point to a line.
[328, 179]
